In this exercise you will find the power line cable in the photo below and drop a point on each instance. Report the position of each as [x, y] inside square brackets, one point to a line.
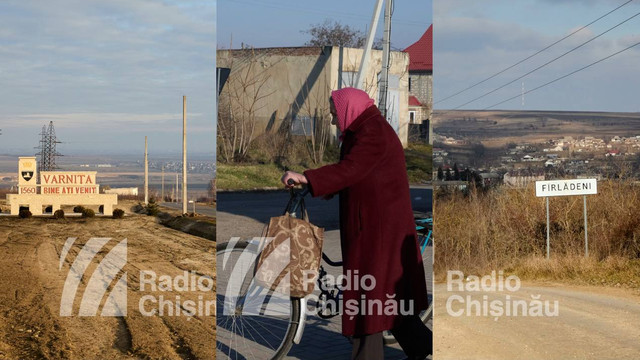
[564, 76]
[547, 63]
[532, 55]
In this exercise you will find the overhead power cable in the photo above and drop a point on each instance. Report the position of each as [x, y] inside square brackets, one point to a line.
[564, 76]
[547, 63]
[532, 55]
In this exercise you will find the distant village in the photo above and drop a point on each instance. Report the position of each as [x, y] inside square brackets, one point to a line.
[518, 164]
[196, 167]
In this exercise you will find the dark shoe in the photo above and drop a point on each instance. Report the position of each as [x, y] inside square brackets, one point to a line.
[419, 358]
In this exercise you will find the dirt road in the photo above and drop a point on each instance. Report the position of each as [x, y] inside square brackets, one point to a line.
[592, 323]
[31, 286]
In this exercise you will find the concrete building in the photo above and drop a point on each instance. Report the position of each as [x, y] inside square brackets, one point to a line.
[133, 191]
[275, 87]
[523, 177]
[421, 80]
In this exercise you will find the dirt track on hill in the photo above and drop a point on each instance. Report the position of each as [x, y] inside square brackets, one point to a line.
[31, 286]
[592, 323]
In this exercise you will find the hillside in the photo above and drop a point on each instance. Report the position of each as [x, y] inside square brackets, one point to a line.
[498, 128]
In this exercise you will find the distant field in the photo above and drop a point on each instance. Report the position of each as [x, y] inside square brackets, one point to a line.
[498, 128]
[121, 176]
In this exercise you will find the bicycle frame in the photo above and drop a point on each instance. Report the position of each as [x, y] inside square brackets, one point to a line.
[422, 226]
[428, 225]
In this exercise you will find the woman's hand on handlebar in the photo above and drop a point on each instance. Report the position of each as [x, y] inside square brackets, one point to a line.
[291, 179]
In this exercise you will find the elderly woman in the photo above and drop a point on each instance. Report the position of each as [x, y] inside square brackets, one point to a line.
[377, 229]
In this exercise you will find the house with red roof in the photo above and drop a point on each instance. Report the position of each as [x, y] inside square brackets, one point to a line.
[421, 83]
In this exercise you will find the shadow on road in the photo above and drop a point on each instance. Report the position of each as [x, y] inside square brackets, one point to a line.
[324, 213]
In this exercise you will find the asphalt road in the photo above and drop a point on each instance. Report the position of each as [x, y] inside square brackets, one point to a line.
[261, 206]
[200, 209]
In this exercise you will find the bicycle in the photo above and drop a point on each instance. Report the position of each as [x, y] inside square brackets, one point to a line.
[256, 323]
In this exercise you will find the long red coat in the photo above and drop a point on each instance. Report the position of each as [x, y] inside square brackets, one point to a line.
[377, 229]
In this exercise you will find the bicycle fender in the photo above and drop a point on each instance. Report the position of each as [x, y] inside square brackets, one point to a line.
[301, 322]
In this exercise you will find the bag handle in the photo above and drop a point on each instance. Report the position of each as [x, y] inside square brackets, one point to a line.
[296, 202]
[303, 211]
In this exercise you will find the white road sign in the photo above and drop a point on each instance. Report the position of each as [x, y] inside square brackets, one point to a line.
[566, 187]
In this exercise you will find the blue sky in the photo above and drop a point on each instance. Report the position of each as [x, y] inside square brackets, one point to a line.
[280, 22]
[107, 73]
[475, 39]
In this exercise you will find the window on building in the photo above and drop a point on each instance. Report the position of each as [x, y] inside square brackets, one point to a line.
[409, 83]
[349, 78]
[412, 117]
[302, 125]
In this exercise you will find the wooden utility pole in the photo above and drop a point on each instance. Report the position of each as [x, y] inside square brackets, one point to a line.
[146, 173]
[386, 50]
[184, 154]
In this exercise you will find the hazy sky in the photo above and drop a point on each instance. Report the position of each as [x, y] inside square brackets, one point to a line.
[476, 39]
[107, 73]
[280, 22]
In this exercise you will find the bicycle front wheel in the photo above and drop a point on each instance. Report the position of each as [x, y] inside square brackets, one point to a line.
[252, 322]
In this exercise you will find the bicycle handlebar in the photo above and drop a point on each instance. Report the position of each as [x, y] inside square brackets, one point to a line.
[296, 197]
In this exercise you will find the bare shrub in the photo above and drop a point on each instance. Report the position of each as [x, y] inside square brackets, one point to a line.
[498, 229]
[245, 94]
[118, 214]
[88, 213]
[59, 214]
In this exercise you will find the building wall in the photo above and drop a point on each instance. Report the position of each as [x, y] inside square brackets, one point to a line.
[399, 63]
[269, 85]
[422, 89]
[122, 191]
[280, 83]
[422, 113]
[422, 86]
[36, 202]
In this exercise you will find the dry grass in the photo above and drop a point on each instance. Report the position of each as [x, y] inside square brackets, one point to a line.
[506, 229]
[613, 270]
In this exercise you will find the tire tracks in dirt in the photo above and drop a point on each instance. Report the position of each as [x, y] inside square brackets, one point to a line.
[30, 325]
[592, 323]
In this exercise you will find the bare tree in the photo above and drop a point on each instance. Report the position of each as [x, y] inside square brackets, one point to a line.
[246, 91]
[319, 129]
[332, 33]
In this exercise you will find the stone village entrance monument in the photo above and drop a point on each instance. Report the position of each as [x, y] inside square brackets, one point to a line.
[56, 188]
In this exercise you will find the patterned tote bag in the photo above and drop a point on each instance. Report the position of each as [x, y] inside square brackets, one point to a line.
[290, 256]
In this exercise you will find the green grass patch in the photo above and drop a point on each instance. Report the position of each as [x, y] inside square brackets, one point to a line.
[249, 176]
[419, 162]
[260, 176]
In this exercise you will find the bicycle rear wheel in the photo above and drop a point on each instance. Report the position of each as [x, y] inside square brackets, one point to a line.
[252, 322]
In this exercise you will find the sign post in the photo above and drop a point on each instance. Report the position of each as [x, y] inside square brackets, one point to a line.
[584, 187]
[547, 198]
[586, 238]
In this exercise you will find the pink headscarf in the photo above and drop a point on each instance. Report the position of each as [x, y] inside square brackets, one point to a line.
[350, 103]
